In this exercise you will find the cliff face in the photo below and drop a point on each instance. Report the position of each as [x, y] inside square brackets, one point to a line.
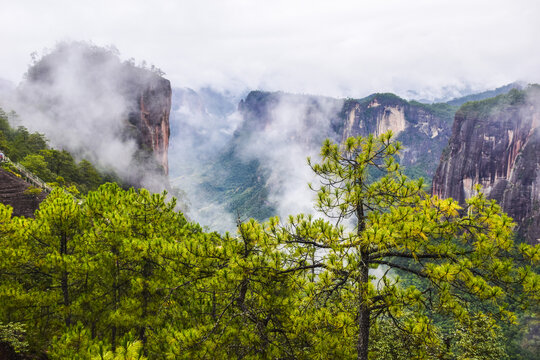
[149, 111]
[116, 114]
[422, 129]
[13, 193]
[496, 143]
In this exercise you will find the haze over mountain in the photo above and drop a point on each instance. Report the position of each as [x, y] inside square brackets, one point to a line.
[85, 100]
[220, 103]
[416, 49]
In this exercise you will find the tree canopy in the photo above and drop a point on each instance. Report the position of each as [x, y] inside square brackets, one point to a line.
[384, 273]
[32, 151]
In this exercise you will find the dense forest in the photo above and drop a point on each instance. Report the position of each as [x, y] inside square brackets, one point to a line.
[389, 272]
[51, 165]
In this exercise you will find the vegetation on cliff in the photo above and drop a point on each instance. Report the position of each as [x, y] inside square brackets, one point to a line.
[121, 273]
[51, 165]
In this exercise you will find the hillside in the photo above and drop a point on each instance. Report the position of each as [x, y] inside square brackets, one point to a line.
[19, 194]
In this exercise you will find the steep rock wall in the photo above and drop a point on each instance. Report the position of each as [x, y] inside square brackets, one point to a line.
[421, 129]
[496, 143]
[150, 98]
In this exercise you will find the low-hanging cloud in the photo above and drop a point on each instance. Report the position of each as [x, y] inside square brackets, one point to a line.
[294, 129]
[80, 96]
[202, 124]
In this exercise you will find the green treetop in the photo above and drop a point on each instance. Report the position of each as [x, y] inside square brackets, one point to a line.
[459, 255]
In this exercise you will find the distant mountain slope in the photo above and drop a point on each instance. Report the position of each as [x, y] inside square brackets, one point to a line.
[263, 172]
[486, 94]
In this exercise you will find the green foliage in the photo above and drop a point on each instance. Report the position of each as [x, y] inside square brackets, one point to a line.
[38, 166]
[481, 340]
[119, 274]
[484, 107]
[33, 191]
[13, 334]
[441, 110]
[77, 344]
[389, 342]
[31, 150]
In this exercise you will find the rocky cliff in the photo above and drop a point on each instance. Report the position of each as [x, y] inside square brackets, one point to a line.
[496, 143]
[88, 101]
[150, 98]
[422, 129]
[265, 163]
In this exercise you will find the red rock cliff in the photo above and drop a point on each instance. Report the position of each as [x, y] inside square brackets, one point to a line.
[151, 99]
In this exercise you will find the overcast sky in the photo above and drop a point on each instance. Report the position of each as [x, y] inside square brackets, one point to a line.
[333, 47]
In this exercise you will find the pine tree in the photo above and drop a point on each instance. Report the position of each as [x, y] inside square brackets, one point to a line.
[385, 224]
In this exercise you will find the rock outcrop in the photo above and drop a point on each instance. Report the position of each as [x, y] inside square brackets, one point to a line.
[422, 129]
[496, 143]
[150, 97]
[294, 126]
[116, 114]
[14, 192]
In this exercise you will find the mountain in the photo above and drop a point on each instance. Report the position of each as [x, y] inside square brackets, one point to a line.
[422, 129]
[496, 143]
[116, 114]
[262, 171]
[486, 94]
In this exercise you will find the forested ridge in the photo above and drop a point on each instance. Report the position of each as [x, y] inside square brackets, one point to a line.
[51, 165]
[389, 273]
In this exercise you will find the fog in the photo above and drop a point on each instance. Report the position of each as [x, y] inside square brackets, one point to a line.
[294, 130]
[77, 95]
[345, 48]
[202, 124]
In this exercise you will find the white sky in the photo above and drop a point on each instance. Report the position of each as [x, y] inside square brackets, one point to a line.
[332, 47]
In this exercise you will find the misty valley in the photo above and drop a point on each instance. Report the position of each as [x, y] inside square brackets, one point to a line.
[144, 220]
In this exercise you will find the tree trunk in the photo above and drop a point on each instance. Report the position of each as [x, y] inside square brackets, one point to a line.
[116, 275]
[363, 281]
[64, 281]
[363, 311]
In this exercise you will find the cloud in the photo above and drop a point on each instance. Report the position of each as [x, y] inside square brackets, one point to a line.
[341, 48]
[202, 123]
[292, 130]
[281, 135]
[81, 96]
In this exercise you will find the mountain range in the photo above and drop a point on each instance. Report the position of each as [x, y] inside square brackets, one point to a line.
[239, 155]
